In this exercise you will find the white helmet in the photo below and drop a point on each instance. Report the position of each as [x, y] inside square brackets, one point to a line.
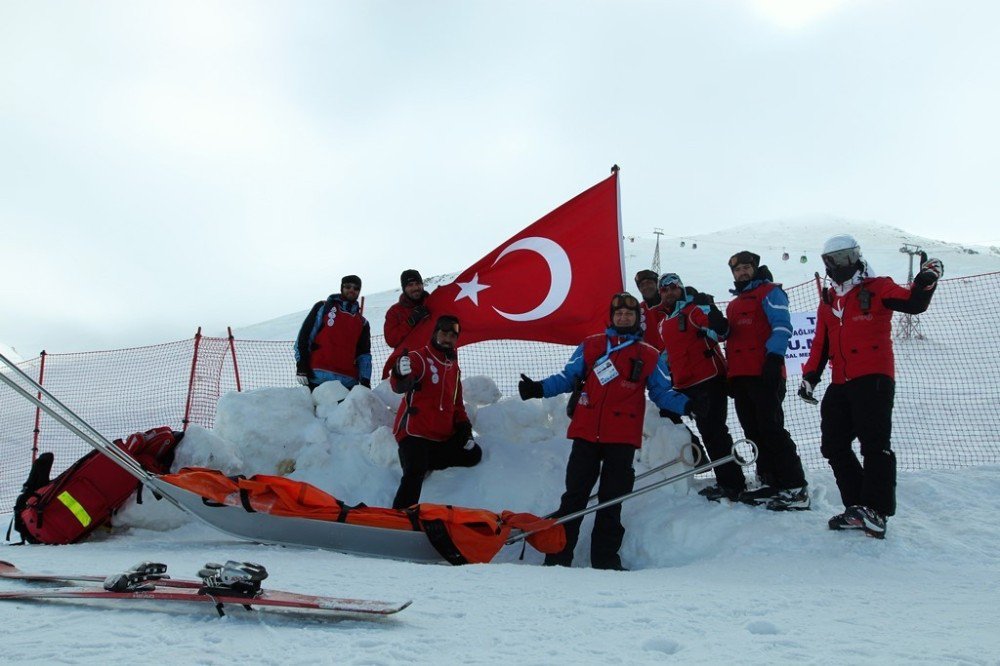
[842, 257]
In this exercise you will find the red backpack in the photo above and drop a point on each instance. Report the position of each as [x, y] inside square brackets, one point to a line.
[81, 499]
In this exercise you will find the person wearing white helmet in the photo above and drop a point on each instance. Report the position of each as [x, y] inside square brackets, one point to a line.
[854, 333]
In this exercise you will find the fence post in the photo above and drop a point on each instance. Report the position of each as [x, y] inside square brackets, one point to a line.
[236, 368]
[194, 364]
[38, 411]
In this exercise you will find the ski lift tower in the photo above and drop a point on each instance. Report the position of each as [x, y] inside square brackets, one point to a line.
[910, 324]
[656, 253]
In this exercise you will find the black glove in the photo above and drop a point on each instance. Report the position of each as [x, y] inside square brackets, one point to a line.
[771, 374]
[302, 368]
[419, 314]
[529, 388]
[930, 271]
[463, 431]
[673, 416]
[807, 386]
[697, 406]
[367, 383]
[700, 298]
[718, 322]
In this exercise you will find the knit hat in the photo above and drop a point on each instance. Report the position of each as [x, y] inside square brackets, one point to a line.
[645, 274]
[351, 279]
[408, 276]
[744, 257]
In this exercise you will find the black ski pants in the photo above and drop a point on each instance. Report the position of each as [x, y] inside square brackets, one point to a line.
[763, 419]
[715, 432]
[861, 408]
[417, 456]
[612, 464]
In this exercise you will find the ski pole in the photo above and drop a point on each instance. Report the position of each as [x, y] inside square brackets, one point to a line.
[734, 456]
[692, 460]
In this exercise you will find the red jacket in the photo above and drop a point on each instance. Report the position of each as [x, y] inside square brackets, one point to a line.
[857, 340]
[692, 358]
[396, 327]
[614, 412]
[749, 330]
[334, 337]
[651, 318]
[432, 404]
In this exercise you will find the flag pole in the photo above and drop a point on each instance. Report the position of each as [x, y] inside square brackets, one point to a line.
[618, 200]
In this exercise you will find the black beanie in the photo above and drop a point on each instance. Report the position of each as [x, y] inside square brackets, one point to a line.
[645, 274]
[744, 257]
[408, 276]
[352, 279]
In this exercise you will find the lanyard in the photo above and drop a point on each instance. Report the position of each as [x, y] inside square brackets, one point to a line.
[611, 350]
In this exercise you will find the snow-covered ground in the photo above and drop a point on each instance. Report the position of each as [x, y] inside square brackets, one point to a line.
[710, 582]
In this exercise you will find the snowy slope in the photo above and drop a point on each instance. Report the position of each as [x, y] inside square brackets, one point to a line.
[705, 266]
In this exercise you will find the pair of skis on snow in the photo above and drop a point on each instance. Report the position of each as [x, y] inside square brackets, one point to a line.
[232, 583]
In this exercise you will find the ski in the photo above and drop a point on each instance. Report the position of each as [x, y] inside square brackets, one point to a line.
[215, 589]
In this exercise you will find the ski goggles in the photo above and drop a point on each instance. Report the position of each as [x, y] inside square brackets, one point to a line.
[624, 300]
[669, 279]
[842, 258]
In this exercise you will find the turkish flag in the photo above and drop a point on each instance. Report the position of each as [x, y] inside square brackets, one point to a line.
[552, 282]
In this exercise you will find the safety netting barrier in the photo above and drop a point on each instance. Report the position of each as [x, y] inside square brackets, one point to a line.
[946, 407]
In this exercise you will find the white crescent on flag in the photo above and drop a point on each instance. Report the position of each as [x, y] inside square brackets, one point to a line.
[559, 269]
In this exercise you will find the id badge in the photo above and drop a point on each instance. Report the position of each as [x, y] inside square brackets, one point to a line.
[605, 372]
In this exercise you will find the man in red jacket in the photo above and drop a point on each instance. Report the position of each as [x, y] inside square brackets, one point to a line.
[759, 330]
[403, 316]
[432, 428]
[334, 342]
[690, 331]
[854, 333]
[614, 370]
[646, 281]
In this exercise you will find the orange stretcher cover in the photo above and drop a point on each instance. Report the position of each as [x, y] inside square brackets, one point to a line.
[477, 534]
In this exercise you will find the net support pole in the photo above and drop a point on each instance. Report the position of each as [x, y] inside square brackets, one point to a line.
[236, 367]
[38, 410]
[194, 366]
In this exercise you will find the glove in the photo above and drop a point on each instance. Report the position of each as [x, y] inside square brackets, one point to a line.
[673, 416]
[700, 298]
[697, 406]
[771, 375]
[403, 367]
[930, 272]
[419, 314]
[807, 386]
[528, 388]
[302, 378]
[367, 383]
[463, 431]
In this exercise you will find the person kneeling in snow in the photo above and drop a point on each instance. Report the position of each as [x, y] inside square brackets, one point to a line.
[432, 428]
[614, 370]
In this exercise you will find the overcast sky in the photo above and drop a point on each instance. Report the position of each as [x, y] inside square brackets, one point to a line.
[170, 164]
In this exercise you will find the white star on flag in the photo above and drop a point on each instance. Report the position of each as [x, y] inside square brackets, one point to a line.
[471, 290]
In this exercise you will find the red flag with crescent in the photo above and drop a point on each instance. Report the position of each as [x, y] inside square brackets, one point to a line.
[551, 282]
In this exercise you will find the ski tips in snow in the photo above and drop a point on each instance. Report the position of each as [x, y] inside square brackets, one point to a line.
[235, 583]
